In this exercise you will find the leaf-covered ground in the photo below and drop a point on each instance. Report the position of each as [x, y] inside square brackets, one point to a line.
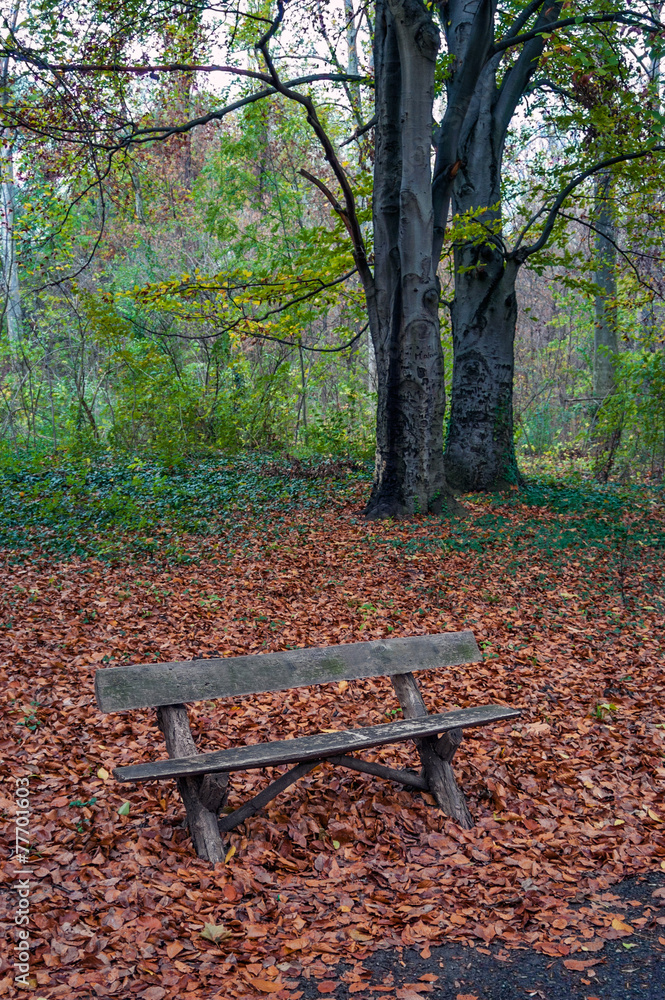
[563, 588]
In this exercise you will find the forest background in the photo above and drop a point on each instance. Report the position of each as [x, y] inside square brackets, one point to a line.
[174, 297]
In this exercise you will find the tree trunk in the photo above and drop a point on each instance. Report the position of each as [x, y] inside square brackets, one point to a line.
[480, 451]
[11, 307]
[12, 293]
[605, 334]
[404, 322]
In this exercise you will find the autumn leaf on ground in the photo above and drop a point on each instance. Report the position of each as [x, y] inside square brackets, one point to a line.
[215, 932]
[619, 925]
[579, 965]
[267, 985]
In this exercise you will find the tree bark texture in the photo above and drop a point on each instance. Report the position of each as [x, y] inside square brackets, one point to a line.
[12, 294]
[605, 333]
[480, 453]
[11, 307]
[409, 476]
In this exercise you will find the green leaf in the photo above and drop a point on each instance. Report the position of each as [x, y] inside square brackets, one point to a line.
[124, 809]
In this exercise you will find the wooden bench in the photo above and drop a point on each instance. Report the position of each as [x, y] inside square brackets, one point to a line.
[203, 777]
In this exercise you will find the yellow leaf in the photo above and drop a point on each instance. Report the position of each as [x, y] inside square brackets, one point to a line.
[619, 822]
[229, 854]
[103, 773]
[619, 925]
[654, 816]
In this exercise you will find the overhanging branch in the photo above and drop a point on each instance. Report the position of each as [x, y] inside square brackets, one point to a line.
[519, 253]
[509, 41]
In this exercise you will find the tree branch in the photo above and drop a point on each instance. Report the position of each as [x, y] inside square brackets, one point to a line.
[624, 253]
[520, 254]
[25, 55]
[361, 130]
[508, 41]
[331, 198]
[460, 93]
[522, 18]
[359, 252]
[516, 79]
[153, 132]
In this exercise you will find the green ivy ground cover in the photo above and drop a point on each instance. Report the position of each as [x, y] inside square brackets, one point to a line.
[136, 509]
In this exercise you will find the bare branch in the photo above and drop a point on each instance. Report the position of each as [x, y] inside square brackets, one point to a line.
[627, 255]
[509, 41]
[520, 254]
[359, 252]
[361, 130]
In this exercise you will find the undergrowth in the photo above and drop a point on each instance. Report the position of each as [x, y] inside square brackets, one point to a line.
[128, 509]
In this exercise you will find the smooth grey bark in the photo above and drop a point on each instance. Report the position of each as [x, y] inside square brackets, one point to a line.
[352, 54]
[11, 306]
[605, 333]
[410, 213]
[10, 281]
[404, 321]
[480, 453]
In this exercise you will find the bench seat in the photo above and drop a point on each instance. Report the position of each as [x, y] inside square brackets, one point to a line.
[315, 747]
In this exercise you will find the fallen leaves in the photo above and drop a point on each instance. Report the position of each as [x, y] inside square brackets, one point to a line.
[565, 803]
[215, 933]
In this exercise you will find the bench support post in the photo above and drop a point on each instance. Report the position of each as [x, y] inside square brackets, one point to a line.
[202, 797]
[436, 755]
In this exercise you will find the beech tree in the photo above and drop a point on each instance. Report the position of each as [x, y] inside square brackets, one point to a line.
[471, 64]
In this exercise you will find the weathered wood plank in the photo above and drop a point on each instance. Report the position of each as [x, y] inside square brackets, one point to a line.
[436, 756]
[202, 821]
[151, 685]
[314, 747]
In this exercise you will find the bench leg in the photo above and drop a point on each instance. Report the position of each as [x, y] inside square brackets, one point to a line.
[436, 755]
[202, 797]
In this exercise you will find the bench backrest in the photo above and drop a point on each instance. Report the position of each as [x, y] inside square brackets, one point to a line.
[150, 685]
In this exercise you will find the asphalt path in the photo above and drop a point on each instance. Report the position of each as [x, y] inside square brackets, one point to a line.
[636, 972]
